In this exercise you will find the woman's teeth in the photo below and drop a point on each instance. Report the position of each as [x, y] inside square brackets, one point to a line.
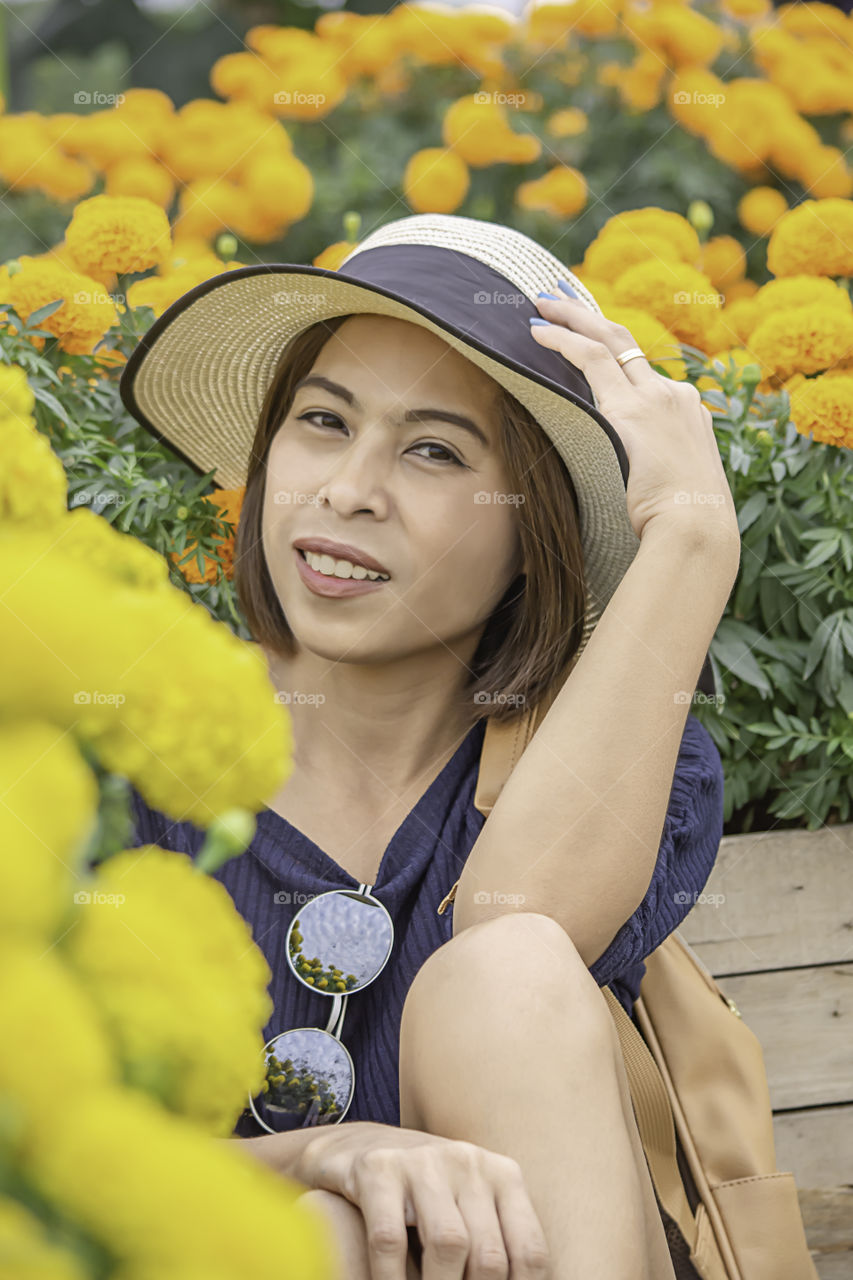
[332, 568]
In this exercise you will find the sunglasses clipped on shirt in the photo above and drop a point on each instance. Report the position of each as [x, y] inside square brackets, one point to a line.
[336, 945]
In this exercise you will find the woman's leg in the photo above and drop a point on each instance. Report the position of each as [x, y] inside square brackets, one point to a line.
[506, 1041]
[345, 1224]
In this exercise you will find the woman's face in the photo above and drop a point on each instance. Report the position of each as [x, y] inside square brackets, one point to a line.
[425, 498]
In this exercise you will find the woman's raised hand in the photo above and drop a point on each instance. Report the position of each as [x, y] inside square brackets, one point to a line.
[676, 473]
[473, 1215]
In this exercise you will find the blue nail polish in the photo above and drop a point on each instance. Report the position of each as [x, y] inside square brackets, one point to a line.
[538, 320]
[553, 296]
[567, 288]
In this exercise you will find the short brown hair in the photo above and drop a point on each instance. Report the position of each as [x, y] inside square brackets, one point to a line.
[536, 627]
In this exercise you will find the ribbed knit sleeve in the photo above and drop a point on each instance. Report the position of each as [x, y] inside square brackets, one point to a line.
[688, 849]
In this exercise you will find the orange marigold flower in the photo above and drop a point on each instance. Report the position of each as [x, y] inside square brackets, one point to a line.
[815, 238]
[436, 180]
[822, 407]
[562, 191]
[760, 209]
[804, 340]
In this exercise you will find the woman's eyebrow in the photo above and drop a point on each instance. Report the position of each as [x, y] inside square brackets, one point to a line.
[412, 415]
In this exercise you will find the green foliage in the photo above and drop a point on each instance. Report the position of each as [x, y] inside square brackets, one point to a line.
[781, 653]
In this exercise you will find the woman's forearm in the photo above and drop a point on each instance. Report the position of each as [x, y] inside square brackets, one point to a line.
[576, 830]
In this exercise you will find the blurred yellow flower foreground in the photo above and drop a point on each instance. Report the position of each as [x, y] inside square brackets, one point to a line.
[132, 996]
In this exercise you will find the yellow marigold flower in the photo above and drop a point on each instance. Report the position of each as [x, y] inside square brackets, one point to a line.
[207, 205]
[118, 233]
[435, 180]
[228, 503]
[547, 23]
[62, 177]
[685, 37]
[365, 42]
[683, 299]
[610, 254]
[694, 97]
[90, 540]
[41, 844]
[479, 132]
[140, 177]
[641, 84]
[35, 980]
[162, 1196]
[601, 290]
[87, 311]
[152, 103]
[662, 224]
[209, 139]
[281, 188]
[741, 289]
[747, 11]
[806, 339]
[161, 692]
[185, 1006]
[33, 487]
[104, 137]
[723, 261]
[243, 77]
[822, 407]
[801, 291]
[562, 191]
[333, 255]
[739, 318]
[567, 122]
[824, 173]
[661, 347]
[760, 209]
[815, 238]
[27, 1251]
[16, 394]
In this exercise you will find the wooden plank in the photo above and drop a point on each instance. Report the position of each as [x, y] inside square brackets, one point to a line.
[787, 899]
[804, 1021]
[816, 1146]
[828, 1221]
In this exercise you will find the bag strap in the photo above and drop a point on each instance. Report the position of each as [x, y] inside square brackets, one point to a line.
[653, 1112]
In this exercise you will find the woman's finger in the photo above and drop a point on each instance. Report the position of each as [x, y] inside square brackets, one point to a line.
[594, 359]
[381, 1197]
[444, 1236]
[529, 1255]
[575, 316]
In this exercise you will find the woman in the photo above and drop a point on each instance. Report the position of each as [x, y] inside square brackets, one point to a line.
[491, 1129]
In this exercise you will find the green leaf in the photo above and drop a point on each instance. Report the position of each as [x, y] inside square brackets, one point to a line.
[732, 645]
[42, 313]
[751, 510]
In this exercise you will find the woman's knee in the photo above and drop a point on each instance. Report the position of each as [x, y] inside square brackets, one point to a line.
[525, 963]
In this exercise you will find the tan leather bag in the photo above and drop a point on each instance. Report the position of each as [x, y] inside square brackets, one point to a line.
[697, 1069]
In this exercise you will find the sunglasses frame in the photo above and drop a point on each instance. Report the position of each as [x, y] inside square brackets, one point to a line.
[335, 1024]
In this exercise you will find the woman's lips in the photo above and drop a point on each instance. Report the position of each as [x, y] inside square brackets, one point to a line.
[322, 585]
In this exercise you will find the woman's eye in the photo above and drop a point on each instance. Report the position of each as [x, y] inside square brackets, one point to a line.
[448, 455]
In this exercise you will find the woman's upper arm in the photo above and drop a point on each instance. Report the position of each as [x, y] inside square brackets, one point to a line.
[690, 840]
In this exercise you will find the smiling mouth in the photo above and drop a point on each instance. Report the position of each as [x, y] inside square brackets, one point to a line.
[364, 575]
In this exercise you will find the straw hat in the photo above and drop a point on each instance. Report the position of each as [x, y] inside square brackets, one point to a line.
[197, 378]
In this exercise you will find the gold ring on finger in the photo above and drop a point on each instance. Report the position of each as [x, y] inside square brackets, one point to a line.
[630, 354]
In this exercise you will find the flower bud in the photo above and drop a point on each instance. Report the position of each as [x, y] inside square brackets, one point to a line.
[700, 215]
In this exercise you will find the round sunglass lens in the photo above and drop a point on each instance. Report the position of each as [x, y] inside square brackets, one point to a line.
[340, 941]
[309, 1081]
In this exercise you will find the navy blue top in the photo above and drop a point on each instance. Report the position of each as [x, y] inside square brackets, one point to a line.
[282, 869]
